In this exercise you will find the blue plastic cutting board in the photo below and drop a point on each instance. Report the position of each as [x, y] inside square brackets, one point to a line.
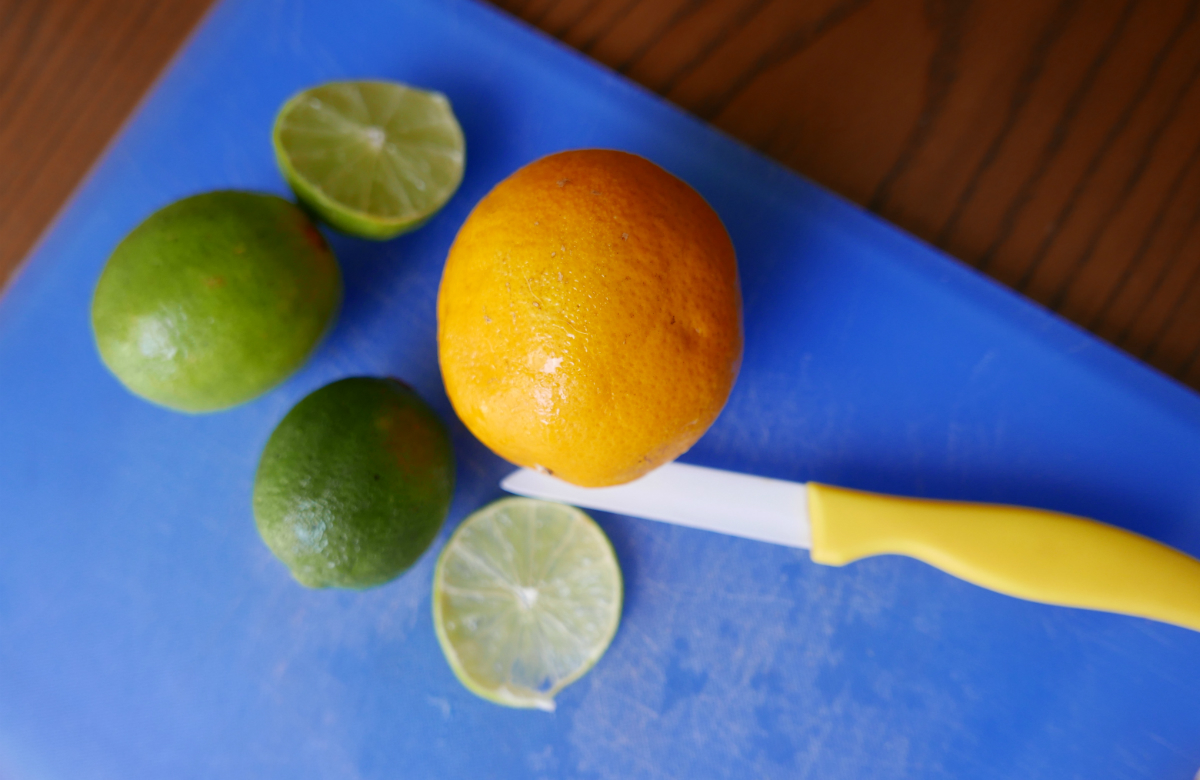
[146, 632]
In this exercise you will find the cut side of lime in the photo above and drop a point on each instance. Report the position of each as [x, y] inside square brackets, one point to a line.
[526, 598]
[372, 158]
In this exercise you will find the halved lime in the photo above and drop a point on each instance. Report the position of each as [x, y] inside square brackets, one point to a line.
[526, 598]
[372, 158]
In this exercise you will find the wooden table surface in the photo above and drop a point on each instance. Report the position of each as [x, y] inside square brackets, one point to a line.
[1052, 144]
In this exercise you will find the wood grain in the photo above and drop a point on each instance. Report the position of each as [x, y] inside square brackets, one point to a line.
[1053, 144]
[70, 72]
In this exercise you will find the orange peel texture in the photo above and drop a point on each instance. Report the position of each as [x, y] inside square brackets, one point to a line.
[590, 318]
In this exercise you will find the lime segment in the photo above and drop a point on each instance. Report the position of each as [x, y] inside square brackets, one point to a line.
[526, 598]
[372, 158]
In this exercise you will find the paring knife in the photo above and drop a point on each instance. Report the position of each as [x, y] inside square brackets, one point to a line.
[1032, 554]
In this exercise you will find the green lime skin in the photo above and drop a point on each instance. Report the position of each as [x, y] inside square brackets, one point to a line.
[215, 299]
[354, 484]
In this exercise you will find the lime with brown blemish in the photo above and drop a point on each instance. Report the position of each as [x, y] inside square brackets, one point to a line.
[214, 299]
[354, 483]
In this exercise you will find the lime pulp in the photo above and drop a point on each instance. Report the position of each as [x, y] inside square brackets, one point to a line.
[526, 599]
[372, 158]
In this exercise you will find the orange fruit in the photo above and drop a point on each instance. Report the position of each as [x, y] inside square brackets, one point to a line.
[589, 317]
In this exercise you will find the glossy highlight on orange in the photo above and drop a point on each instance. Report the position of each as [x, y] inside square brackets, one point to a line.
[589, 317]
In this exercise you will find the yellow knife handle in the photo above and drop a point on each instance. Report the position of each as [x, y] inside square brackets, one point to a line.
[1032, 554]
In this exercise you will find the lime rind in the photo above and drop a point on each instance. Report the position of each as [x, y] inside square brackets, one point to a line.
[214, 299]
[373, 158]
[527, 598]
[354, 484]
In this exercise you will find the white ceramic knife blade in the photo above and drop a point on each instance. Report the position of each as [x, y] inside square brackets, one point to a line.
[766, 510]
[1029, 553]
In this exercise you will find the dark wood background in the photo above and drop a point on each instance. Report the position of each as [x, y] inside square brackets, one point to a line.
[1052, 144]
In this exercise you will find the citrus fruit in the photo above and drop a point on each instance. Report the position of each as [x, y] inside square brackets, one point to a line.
[372, 158]
[215, 299]
[589, 317]
[526, 598]
[354, 483]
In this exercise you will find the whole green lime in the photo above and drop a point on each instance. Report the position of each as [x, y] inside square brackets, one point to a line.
[215, 299]
[354, 483]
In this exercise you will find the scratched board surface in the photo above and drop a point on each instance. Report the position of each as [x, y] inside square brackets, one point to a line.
[146, 632]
